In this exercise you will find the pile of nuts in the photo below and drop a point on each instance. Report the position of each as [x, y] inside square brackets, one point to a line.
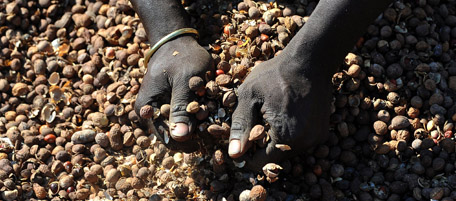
[70, 71]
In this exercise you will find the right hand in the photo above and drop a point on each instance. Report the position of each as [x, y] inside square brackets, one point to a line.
[294, 103]
[166, 81]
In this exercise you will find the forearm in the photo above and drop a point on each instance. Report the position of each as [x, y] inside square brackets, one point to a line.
[331, 31]
[160, 17]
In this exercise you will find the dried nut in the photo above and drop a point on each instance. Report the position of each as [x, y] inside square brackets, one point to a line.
[212, 88]
[165, 110]
[20, 89]
[102, 139]
[168, 162]
[193, 107]
[39, 191]
[99, 119]
[223, 80]
[384, 116]
[257, 133]
[258, 193]
[399, 122]
[354, 70]
[252, 32]
[143, 173]
[383, 148]
[195, 83]
[380, 127]
[129, 139]
[113, 175]
[217, 130]
[84, 136]
[115, 137]
[66, 181]
[146, 112]
[245, 195]
[91, 177]
[143, 141]
[4, 85]
[351, 59]
[229, 99]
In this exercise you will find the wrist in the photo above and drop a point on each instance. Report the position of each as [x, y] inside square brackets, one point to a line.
[175, 44]
[167, 38]
[161, 17]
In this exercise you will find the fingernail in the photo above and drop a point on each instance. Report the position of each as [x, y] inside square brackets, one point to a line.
[179, 132]
[234, 148]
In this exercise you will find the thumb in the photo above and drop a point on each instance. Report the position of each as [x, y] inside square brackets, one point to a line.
[180, 122]
[244, 118]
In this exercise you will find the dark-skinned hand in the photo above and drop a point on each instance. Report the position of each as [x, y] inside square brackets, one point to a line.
[166, 81]
[295, 106]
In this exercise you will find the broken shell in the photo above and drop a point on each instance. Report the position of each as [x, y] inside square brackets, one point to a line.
[257, 133]
[283, 147]
[54, 78]
[271, 170]
[56, 94]
[178, 157]
[48, 113]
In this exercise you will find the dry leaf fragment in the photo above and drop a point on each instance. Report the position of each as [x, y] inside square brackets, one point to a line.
[283, 147]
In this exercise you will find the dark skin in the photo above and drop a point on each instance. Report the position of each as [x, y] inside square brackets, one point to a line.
[296, 105]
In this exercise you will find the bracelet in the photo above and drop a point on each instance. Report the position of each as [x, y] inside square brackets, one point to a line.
[165, 39]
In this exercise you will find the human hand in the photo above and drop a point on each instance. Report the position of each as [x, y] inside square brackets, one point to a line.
[166, 81]
[294, 104]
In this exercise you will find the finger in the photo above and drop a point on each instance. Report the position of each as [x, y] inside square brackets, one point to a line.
[244, 118]
[179, 118]
[154, 91]
[188, 146]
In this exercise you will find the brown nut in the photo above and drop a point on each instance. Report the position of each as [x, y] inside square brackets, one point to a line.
[257, 133]
[146, 112]
[195, 83]
[380, 127]
[165, 110]
[258, 193]
[193, 107]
